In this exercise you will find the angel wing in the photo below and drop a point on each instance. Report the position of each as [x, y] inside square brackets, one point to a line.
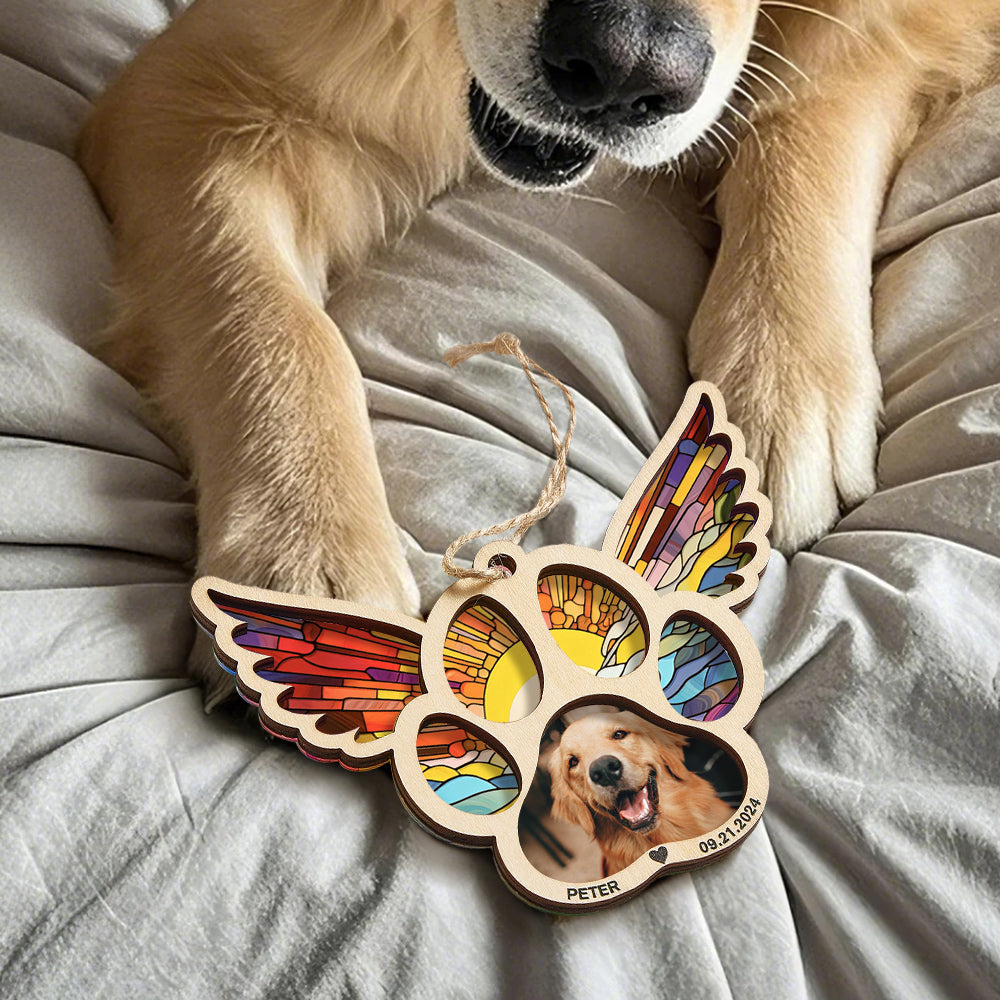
[694, 519]
[317, 673]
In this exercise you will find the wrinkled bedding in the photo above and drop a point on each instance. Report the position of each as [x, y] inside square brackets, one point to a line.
[149, 850]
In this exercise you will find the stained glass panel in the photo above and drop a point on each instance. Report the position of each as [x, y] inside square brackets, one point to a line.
[489, 667]
[594, 625]
[697, 673]
[464, 770]
[358, 677]
[683, 533]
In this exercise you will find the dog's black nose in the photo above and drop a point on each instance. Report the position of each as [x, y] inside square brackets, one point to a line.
[606, 771]
[625, 62]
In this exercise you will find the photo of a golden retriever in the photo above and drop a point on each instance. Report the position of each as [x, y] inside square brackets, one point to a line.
[260, 151]
[626, 785]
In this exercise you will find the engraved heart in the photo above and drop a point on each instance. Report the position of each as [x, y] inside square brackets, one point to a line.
[659, 855]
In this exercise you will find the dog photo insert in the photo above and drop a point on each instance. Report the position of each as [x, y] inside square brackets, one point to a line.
[611, 786]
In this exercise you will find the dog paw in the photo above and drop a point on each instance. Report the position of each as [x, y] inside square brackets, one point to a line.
[365, 565]
[811, 426]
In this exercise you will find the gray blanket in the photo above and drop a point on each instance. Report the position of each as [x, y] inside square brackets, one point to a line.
[149, 850]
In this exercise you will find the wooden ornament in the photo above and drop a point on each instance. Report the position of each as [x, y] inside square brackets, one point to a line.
[621, 655]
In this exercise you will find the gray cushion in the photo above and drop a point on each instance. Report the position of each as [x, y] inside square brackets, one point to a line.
[150, 850]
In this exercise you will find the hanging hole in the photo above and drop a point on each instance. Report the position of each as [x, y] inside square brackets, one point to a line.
[506, 565]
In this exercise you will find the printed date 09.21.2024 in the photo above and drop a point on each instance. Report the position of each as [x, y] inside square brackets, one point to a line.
[740, 822]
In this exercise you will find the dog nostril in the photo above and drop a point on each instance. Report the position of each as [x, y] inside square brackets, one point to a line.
[650, 104]
[576, 83]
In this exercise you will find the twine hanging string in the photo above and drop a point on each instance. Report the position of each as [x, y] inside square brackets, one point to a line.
[554, 489]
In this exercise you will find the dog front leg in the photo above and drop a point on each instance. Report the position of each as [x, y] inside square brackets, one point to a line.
[785, 325]
[220, 321]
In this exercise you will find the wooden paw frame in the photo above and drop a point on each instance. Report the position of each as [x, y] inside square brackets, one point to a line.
[459, 705]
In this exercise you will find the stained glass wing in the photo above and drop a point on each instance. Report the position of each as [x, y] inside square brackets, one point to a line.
[694, 519]
[344, 672]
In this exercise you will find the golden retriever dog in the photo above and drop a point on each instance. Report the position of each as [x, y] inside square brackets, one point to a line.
[261, 149]
[623, 780]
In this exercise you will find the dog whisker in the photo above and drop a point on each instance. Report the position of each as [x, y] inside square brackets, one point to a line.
[812, 10]
[784, 59]
[750, 125]
[514, 136]
[719, 145]
[591, 199]
[719, 125]
[754, 68]
[746, 95]
[774, 24]
[751, 79]
[703, 145]
[492, 114]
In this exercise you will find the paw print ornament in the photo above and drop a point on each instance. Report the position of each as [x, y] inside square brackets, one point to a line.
[581, 712]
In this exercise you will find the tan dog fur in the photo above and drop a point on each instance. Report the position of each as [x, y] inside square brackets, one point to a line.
[785, 327]
[688, 804]
[258, 150]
